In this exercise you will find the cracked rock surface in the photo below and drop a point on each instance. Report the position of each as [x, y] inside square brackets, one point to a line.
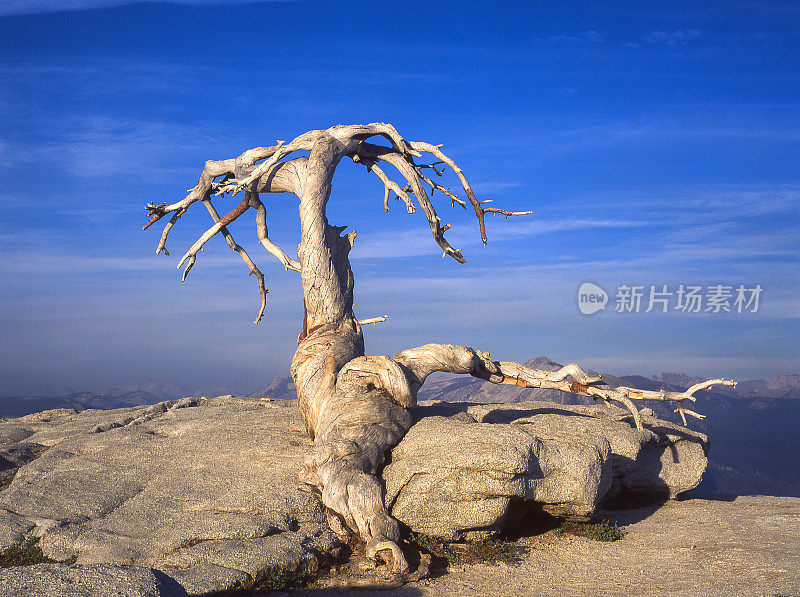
[203, 490]
[464, 469]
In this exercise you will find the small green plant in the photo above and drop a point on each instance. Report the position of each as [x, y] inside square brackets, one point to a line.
[601, 531]
[424, 541]
[276, 579]
[24, 554]
[488, 551]
[605, 531]
[279, 579]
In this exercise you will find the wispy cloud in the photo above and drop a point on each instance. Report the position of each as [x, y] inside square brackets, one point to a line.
[656, 130]
[418, 241]
[99, 76]
[93, 147]
[543, 138]
[708, 366]
[56, 265]
[672, 38]
[415, 242]
[585, 37]
[709, 201]
[521, 228]
[526, 287]
[490, 188]
[20, 7]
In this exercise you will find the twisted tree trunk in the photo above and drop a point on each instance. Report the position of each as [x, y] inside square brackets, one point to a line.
[357, 407]
[352, 423]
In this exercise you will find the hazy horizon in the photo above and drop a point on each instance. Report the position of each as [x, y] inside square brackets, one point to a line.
[656, 146]
[240, 388]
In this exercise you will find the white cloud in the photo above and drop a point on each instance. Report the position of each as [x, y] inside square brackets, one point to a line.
[96, 76]
[709, 366]
[537, 138]
[22, 7]
[55, 265]
[96, 148]
[415, 242]
[672, 38]
[528, 227]
[585, 37]
[698, 203]
[418, 241]
[490, 188]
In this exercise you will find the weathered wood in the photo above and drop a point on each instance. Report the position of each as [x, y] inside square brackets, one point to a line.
[357, 407]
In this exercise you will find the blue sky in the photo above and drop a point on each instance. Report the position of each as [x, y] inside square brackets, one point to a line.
[656, 143]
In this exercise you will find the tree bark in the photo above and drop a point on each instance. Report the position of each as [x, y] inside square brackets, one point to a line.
[357, 407]
[352, 424]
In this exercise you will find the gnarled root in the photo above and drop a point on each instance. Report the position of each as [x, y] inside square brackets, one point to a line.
[384, 582]
[365, 413]
[355, 431]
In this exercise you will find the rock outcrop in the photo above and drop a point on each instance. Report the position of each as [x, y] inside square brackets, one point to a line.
[89, 580]
[463, 468]
[204, 490]
[204, 493]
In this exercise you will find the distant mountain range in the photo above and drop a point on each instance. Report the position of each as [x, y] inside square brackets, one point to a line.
[754, 428]
[281, 388]
[148, 391]
[460, 388]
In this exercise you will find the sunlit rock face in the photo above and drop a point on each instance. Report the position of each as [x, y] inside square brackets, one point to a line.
[463, 468]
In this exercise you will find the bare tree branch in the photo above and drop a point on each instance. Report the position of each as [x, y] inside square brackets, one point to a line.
[261, 223]
[444, 190]
[211, 170]
[388, 183]
[208, 234]
[345, 134]
[162, 243]
[479, 211]
[379, 319]
[507, 214]
[407, 170]
[249, 262]
[424, 360]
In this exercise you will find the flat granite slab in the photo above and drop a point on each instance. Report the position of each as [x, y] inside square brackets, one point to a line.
[204, 490]
[722, 546]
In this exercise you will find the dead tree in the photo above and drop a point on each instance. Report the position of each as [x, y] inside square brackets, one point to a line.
[356, 407]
